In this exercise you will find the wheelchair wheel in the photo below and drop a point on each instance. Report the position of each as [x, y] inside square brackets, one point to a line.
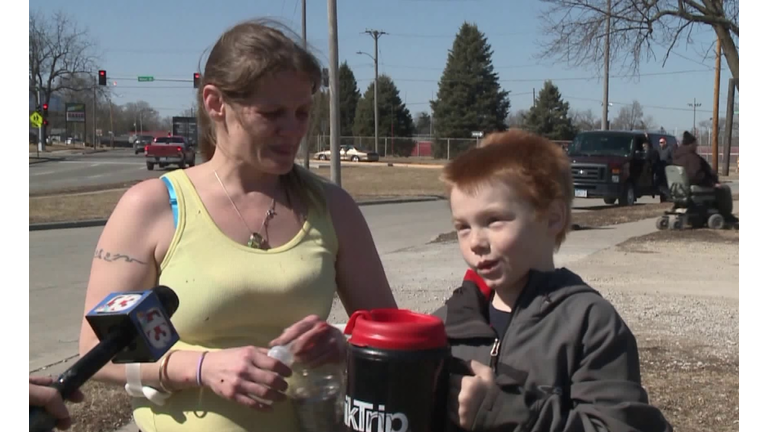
[662, 223]
[677, 224]
[716, 221]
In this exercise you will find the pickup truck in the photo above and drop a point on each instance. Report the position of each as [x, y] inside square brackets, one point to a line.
[170, 150]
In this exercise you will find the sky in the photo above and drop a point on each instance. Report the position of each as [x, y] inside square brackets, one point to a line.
[167, 39]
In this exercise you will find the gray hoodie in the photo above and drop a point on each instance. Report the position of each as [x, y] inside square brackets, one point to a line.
[567, 362]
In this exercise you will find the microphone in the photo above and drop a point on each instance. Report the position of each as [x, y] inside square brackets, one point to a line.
[132, 327]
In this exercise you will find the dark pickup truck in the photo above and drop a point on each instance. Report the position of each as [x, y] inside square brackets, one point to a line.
[170, 150]
[612, 165]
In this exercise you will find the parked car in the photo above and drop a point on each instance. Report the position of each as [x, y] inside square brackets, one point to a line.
[350, 153]
[611, 165]
[170, 150]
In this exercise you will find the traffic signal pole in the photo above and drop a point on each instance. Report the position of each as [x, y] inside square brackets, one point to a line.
[40, 129]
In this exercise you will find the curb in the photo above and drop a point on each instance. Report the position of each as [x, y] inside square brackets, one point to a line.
[101, 222]
[67, 224]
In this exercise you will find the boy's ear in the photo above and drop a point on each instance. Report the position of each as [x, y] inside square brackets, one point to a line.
[556, 217]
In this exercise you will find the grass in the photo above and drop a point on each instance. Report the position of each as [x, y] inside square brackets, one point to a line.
[363, 183]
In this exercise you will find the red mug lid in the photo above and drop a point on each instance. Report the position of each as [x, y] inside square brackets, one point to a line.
[396, 329]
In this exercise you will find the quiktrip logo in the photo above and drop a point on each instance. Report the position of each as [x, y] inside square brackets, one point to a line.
[360, 417]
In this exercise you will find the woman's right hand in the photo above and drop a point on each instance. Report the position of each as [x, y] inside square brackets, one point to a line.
[244, 374]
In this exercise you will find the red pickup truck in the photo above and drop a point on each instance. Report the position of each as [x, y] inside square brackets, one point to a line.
[170, 150]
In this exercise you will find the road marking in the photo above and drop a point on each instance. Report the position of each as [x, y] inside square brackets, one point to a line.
[58, 171]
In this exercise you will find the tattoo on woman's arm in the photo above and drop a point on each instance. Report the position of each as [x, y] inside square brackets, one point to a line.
[110, 257]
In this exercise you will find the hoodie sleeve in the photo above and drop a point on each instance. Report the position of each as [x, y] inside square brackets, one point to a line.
[605, 395]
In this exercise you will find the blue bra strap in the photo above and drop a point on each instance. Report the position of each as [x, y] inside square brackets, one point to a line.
[173, 200]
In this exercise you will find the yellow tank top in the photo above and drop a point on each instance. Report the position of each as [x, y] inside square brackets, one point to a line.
[231, 296]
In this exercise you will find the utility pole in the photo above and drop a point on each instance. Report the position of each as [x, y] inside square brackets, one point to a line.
[694, 105]
[95, 115]
[375, 34]
[304, 142]
[533, 92]
[333, 85]
[606, 64]
[716, 107]
[732, 85]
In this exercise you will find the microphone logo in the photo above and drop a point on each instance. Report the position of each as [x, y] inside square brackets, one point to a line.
[156, 327]
[120, 303]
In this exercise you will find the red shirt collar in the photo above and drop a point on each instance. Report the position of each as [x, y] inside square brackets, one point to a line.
[475, 278]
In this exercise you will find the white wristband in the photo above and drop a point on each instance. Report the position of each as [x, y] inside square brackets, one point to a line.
[135, 389]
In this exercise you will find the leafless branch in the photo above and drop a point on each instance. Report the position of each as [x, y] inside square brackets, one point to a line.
[59, 51]
[576, 30]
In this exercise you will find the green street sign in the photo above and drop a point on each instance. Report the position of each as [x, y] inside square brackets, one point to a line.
[146, 78]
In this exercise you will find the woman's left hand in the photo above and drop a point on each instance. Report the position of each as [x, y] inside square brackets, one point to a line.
[314, 341]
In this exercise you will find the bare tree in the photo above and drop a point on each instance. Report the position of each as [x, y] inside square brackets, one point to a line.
[578, 30]
[61, 55]
[630, 117]
[517, 119]
[586, 120]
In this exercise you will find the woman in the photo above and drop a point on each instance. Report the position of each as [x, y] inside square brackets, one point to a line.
[254, 246]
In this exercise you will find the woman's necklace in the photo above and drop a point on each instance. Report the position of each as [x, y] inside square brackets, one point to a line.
[257, 240]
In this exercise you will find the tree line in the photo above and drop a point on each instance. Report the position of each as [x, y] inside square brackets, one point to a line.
[469, 97]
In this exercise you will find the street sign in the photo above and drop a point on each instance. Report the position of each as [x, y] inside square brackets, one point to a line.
[146, 78]
[477, 134]
[36, 119]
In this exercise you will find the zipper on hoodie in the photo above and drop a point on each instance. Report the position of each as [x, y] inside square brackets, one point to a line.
[495, 354]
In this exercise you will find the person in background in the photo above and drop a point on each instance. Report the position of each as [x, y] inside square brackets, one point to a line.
[48, 398]
[700, 173]
[255, 246]
[665, 152]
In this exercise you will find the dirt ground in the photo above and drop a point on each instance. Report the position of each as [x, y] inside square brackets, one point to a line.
[679, 293]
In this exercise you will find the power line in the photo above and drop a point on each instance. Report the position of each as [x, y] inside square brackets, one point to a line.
[542, 79]
[443, 68]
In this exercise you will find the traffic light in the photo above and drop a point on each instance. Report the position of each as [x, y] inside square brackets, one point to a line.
[102, 77]
[196, 80]
[45, 111]
[45, 122]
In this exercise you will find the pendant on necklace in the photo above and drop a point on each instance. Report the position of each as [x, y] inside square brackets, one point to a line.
[257, 242]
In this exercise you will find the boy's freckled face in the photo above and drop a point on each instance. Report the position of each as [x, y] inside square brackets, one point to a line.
[499, 234]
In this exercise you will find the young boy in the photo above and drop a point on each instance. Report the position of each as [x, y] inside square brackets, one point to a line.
[544, 351]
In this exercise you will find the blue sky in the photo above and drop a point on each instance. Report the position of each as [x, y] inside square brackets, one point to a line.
[165, 39]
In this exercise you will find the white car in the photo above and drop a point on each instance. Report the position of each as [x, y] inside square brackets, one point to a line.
[350, 153]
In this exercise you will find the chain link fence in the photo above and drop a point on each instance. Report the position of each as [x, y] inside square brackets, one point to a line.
[448, 148]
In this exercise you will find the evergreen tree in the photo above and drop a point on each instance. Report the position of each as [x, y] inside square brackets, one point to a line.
[469, 97]
[394, 118]
[349, 97]
[423, 124]
[549, 116]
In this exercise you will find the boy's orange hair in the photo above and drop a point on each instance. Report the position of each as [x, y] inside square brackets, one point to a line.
[537, 169]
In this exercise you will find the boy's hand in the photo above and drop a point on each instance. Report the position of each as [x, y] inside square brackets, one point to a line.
[467, 392]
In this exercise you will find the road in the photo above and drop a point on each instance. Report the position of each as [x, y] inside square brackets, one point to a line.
[113, 166]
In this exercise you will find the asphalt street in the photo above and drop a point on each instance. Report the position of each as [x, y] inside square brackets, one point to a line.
[113, 166]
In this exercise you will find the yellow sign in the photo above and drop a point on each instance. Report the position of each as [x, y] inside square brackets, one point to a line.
[36, 119]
